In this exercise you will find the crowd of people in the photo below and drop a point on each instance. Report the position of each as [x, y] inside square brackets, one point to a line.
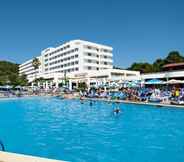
[167, 95]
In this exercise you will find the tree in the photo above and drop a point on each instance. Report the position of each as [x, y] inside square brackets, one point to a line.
[36, 63]
[3, 79]
[9, 74]
[174, 57]
[158, 64]
[142, 67]
[82, 86]
[23, 81]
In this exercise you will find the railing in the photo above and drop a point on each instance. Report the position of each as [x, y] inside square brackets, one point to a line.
[167, 75]
[163, 72]
[2, 146]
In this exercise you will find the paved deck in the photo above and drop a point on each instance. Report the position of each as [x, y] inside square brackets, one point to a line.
[138, 102]
[12, 157]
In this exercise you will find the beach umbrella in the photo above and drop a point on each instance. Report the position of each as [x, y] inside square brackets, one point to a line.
[174, 81]
[136, 81]
[113, 85]
[125, 83]
[155, 81]
[120, 81]
[132, 85]
[7, 87]
[18, 87]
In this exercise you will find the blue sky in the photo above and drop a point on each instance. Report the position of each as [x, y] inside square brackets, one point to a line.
[138, 30]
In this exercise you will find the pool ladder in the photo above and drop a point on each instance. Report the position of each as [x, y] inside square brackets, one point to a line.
[2, 146]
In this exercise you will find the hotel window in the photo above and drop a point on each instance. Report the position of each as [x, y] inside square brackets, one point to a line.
[89, 68]
[89, 54]
[88, 47]
[104, 50]
[89, 61]
[76, 56]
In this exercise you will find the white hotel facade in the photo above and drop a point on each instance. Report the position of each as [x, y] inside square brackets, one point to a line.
[79, 61]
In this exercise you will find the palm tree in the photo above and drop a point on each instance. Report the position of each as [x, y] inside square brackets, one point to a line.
[36, 63]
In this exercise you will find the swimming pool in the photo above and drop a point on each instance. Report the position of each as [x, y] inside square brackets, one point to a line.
[68, 130]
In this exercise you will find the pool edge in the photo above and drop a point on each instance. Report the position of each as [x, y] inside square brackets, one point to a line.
[14, 157]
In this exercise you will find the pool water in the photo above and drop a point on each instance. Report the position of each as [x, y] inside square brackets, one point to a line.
[69, 130]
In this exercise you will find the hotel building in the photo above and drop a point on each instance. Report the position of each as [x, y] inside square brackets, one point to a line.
[79, 61]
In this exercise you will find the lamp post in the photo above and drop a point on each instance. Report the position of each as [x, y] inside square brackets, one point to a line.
[167, 79]
[65, 77]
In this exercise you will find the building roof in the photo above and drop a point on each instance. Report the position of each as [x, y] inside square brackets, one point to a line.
[173, 65]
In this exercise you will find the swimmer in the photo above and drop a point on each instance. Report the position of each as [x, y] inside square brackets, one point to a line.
[2, 146]
[90, 104]
[81, 98]
[116, 111]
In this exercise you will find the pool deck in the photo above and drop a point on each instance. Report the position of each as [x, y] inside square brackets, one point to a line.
[108, 100]
[138, 103]
[12, 157]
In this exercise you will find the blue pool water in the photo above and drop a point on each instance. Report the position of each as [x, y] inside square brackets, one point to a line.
[68, 130]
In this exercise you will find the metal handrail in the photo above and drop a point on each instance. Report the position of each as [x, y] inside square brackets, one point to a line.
[163, 72]
[2, 146]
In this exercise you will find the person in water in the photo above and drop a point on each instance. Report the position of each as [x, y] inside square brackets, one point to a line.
[116, 111]
[81, 100]
[90, 104]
